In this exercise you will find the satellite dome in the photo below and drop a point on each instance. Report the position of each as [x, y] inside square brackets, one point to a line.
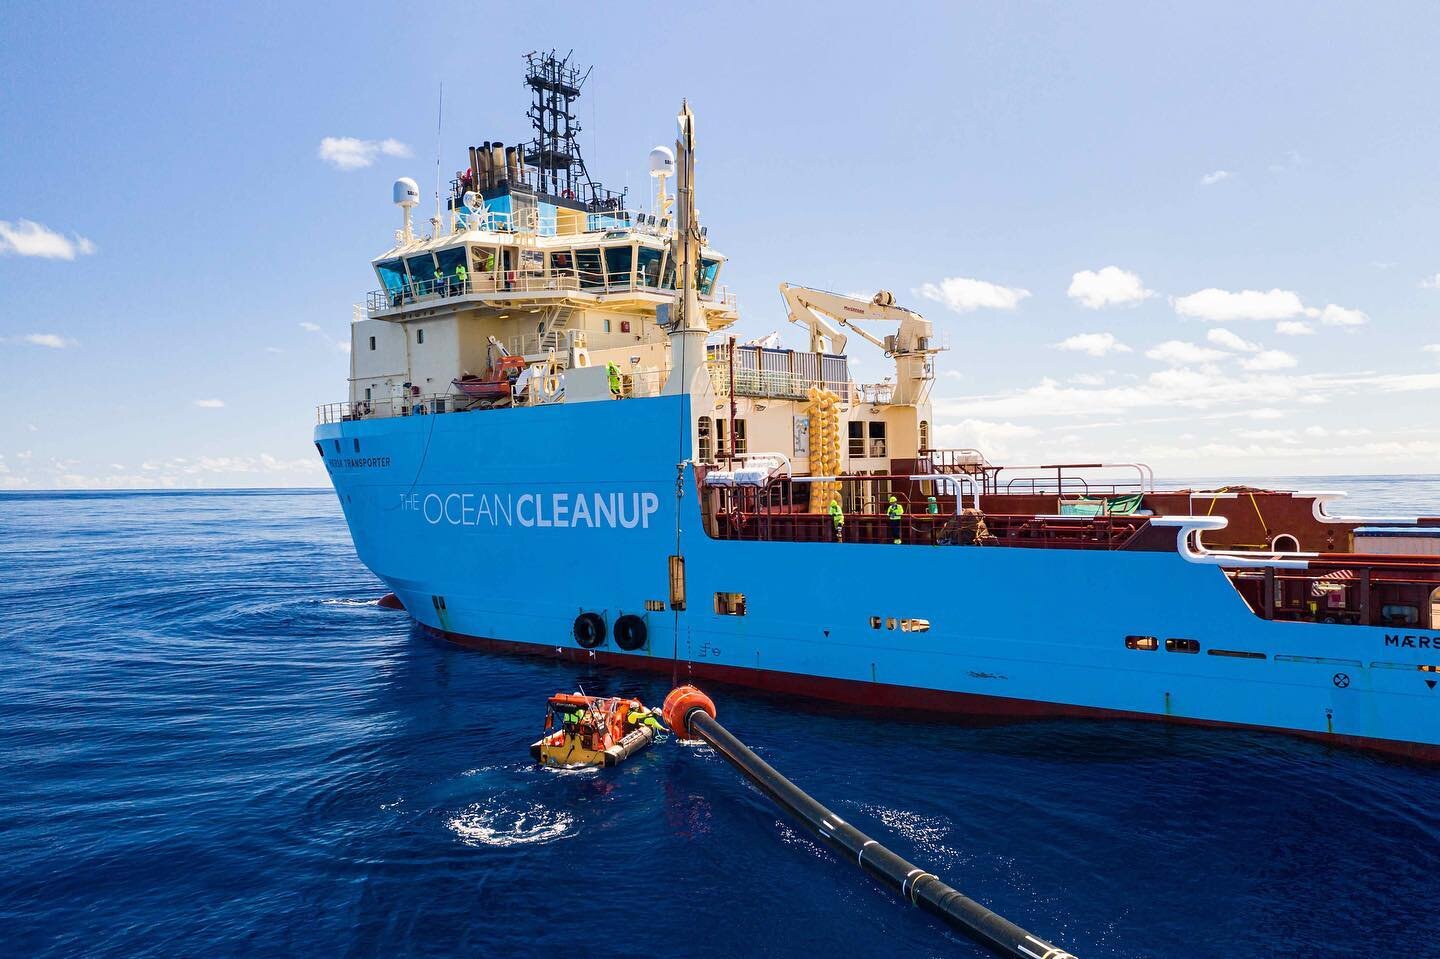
[662, 161]
[407, 192]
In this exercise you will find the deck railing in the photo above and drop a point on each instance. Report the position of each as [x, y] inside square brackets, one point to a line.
[527, 281]
[634, 384]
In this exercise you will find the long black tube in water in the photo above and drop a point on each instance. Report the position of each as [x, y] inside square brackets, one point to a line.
[690, 713]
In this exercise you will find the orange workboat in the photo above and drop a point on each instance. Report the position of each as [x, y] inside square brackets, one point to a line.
[585, 730]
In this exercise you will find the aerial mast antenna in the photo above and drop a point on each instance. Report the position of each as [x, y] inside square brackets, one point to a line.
[439, 123]
[555, 83]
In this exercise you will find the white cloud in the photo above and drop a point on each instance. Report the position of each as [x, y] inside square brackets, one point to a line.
[1226, 340]
[1269, 360]
[1095, 344]
[1222, 306]
[1097, 288]
[1259, 395]
[342, 345]
[28, 238]
[1088, 379]
[995, 438]
[1334, 315]
[1294, 328]
[273, 349]
[1181, 353]
[1431, 282]
[1210, 179]
[352, 153]
[963, 294]
[52, 340]
[210, 404]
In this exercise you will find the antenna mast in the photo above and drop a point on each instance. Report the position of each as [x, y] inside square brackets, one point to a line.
[555, 152]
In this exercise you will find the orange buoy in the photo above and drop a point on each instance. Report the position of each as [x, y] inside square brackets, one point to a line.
[682, 701]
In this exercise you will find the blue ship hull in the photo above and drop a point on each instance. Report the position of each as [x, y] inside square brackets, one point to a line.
[500, 528]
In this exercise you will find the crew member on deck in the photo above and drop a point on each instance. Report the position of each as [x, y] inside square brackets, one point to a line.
[462, 277]
[613, 372]
[932, 508]
[894, 511]
[837, 516]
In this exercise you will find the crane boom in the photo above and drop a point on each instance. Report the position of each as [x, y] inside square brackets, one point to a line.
[910, 345]
[809, 307]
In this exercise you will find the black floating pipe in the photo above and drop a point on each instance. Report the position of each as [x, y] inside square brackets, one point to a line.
[691, 714]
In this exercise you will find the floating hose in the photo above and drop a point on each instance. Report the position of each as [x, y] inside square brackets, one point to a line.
[691, 714]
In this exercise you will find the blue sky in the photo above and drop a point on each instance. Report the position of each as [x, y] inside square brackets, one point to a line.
[1204, 237]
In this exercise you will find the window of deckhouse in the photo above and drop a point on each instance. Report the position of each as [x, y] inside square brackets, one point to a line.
[648, 261]
[703, 429]
[618, 261]
[422, 272]
[591, 274]
[450, 261]
[857, 438]
[709, 269]
[563, 261]
[392, 276]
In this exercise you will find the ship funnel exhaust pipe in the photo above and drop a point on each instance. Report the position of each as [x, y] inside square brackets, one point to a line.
[691, 714]
[497, 163]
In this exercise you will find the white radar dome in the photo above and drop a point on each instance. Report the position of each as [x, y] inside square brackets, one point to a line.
[407, 192]
[662, 161]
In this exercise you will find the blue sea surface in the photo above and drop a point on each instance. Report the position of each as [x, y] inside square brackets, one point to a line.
[214, 743]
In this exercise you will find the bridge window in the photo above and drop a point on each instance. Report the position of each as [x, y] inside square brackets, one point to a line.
[730, 604]
[1142, 642]
[563, 262]
[422, 271]
[648, 261]
[618, 260]
[392, 276]
[450, 261]
[709, 269]
[484, 259]
[587, 262]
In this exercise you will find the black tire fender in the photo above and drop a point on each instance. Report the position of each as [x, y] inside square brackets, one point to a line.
[589, 630]
[630, 632]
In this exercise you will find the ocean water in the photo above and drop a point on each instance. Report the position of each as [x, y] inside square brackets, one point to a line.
[214, 743]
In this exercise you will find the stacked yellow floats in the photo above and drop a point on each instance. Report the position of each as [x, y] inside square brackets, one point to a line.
[824, 412]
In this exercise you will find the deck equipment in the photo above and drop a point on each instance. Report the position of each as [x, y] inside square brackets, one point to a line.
[691, 714]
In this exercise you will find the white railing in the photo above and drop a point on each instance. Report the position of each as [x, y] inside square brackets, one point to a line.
[522, 281]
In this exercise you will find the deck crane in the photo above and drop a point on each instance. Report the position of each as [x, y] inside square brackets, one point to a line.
[910, 345]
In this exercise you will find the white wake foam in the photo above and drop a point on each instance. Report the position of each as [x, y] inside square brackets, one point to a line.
[478, 826]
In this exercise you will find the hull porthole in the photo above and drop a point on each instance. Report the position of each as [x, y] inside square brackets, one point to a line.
[589, 630]
[630, 632]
